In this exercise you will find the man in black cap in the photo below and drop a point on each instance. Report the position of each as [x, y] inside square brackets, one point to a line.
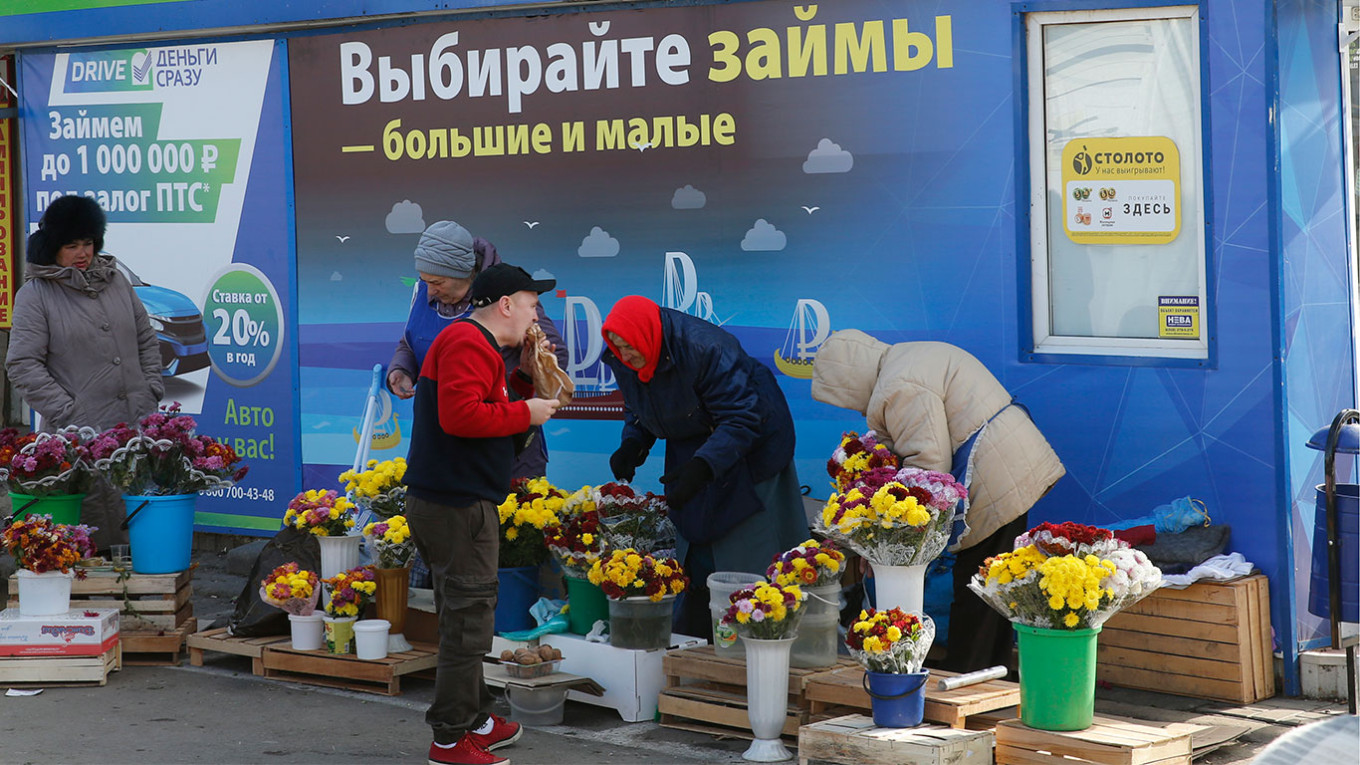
[457, 472]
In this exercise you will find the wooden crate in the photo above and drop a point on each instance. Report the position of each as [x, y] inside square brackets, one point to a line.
[25, 671]
[854, 739]
[1109, 741]
[383, 676]
[218, 640]
[843, 689]
[707, 692]
[1211, 641]
[161, 648]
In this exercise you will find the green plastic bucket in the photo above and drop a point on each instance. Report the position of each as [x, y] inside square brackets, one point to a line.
[588, 604]
[64, 508]
[1057, 677]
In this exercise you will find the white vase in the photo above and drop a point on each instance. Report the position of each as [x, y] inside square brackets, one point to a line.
[307, 631]
[45, 594]
[339, 554]
[767, 697]
[900, 587]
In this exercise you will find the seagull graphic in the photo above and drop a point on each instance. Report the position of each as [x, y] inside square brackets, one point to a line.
[810, 210]
[642, 146]
[342, 239]
[531, 223]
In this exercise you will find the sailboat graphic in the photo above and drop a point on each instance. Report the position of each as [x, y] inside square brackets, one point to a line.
[386, 429]
[597, 396]
[809, 329]
[680, 289]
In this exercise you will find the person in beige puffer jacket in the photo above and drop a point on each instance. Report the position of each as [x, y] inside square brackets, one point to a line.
[926, 400]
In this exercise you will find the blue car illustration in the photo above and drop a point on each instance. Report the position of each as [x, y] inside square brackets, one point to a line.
[178, 324]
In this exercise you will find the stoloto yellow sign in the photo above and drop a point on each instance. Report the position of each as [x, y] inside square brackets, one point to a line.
[1121, 190]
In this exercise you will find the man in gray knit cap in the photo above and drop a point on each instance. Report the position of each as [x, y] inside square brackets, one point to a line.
[448, 258]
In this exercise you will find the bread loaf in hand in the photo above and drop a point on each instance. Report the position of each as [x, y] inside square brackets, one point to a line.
[549, 379]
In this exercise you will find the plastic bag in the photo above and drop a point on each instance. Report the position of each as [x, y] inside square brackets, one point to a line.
[1172, 518]
[253, 617]
[550, 617]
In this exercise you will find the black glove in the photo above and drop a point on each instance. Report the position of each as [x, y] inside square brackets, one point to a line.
[687, 482]
[624, 462]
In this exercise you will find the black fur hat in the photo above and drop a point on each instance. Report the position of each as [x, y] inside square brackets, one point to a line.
[67, 219]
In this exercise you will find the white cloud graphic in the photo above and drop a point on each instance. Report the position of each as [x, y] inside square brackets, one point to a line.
[688, 198]
[763, 237]
[337, 277]
[828, 157]
[598, 244]
[543, 273]
[406, 218]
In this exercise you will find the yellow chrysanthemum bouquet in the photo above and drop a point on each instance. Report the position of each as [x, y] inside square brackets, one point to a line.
[321, 512]
[628, 573]
[291, 588]
[391, 540]
[532, 505]
[349, 591]
[894, 517]
[766, 611]
[378, 488]
[891, 641]
[1065, 576]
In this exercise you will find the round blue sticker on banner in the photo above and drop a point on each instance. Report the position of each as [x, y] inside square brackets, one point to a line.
[245, 325]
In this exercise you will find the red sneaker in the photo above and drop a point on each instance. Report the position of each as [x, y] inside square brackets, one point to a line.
[467, 752]
[503, 733]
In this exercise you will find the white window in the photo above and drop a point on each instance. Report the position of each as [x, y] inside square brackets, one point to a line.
[1117, 208]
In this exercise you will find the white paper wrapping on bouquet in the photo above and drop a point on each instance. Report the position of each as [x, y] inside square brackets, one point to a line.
[904, 656]
[294, 606]
[646, 532]
[1007, 600]
[886, 547]
[575, 564]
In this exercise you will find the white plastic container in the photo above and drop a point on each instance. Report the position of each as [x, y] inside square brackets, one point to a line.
[370, 639]
[307, 631]
[537, 706]
[721, 585]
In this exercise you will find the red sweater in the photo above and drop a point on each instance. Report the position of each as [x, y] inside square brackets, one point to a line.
[461, 450]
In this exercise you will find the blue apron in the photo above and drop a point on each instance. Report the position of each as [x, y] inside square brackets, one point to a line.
[424, 323]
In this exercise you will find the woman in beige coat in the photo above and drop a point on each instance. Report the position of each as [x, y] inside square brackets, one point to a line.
[927, 401]
[81, 349]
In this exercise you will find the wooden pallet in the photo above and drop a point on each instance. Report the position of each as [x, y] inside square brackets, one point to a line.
[706, 692]
[1211, 641]
[218, 640]
[831, 693]
[157, 649]
[1109, 741]
[43, 671]
[383, 676]
[854, 739]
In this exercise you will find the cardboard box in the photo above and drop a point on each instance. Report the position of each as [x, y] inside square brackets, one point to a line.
[74, 633]
[632, 679]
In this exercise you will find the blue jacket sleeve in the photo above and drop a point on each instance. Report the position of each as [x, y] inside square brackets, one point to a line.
[729, 394]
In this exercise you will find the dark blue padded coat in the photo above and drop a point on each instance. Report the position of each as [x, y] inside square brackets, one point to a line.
[709, 399]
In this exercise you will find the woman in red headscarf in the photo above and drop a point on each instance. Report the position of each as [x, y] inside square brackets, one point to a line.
[729, 475]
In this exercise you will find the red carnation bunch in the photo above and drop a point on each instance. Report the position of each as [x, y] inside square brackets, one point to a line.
[1067, 538]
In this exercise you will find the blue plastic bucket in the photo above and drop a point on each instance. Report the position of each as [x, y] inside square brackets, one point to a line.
[518, 593]
[898, 701]
[160, 532]
[1348, 537]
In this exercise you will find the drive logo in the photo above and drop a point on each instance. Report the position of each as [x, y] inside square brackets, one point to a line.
[108, 71]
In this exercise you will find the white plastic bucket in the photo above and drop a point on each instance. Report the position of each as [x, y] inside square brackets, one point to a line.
[45, 594]
[307, 631]
[721, 585]
[370, 639]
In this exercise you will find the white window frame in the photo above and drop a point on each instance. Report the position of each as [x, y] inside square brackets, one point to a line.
[1192, 161]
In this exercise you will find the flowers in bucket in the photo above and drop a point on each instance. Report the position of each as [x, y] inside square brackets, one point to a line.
[162, 456]
[856, 456]
[1065, 577]
[532, 506]
[349, 591]
[322, 512]
[811, 564]
[766, 611]
[40, 546]
[635, 520]
[391, 539]
[378, 488]
[891, 641]
[902, 519]
[46, 464]
[628, 573]
[291, 588]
